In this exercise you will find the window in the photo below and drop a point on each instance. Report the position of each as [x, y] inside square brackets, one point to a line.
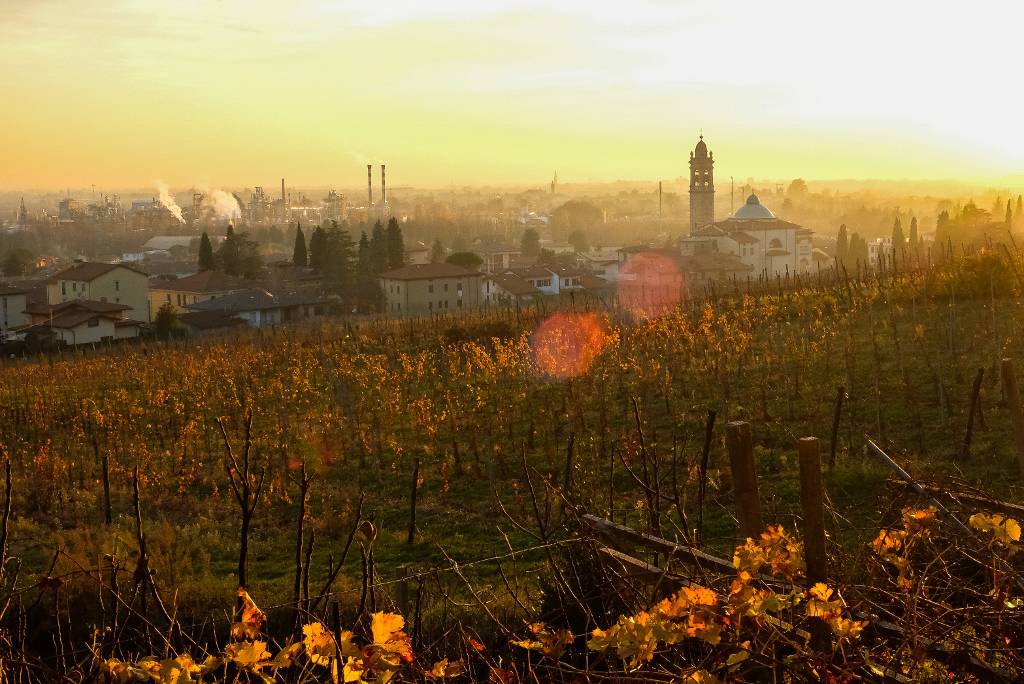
[459, 303]
[117, 285]
[63, 287]
[168, 297]
[430, 305]
[94, 323]
[446, 287]
[430, 288]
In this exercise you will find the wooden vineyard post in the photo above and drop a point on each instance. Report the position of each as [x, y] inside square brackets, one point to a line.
[811, 502]
[965, 449]
[744, 477]
[1013, 402]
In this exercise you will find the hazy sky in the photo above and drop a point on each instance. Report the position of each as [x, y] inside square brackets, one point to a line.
[242, 92]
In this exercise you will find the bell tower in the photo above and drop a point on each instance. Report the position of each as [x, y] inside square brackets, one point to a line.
[702, 187]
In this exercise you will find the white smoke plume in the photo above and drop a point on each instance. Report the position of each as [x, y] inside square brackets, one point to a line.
[223, 204]
[168, 201]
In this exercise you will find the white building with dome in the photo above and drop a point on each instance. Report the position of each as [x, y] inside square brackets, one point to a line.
[762, 241]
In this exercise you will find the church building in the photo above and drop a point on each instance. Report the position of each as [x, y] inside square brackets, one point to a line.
[764, 243]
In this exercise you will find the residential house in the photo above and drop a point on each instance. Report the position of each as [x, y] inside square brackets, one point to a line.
[113, 283]
[601, 262]
[498, 256]
[417, 254]
[508, 288]
[266, 308]
[193, 289]
[12, 310]
[205, 323]
[81, 321]
[425, 288]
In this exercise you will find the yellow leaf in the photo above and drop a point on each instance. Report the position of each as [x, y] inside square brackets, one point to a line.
[1012, 529]
[385, 625]
[319, 643]
[248, 655]
[821, 591]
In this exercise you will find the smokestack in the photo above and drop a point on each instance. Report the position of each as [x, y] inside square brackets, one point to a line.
[369, 185]
[283, 198]
[383, 187]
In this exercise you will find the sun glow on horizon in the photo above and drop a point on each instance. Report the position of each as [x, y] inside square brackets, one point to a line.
[240, 93]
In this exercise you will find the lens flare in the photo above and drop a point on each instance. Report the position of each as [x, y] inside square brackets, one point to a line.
[566, 344]
[650, 284]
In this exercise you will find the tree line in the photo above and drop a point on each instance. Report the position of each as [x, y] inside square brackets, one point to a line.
[348, 268]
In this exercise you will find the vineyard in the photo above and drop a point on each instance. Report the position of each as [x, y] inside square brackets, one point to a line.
[580, 494]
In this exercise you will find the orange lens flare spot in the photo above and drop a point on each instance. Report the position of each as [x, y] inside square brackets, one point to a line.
[650, 284]
[566, 344]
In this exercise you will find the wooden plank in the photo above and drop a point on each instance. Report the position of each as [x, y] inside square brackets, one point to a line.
[626, 539]
[979, 500]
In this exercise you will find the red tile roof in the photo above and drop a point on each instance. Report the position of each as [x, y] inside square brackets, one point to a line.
[88, 270]
[203, 282]
[428, 272]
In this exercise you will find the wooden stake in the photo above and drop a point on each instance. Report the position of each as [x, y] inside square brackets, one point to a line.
[1013, 402]
[811, 501]
[744, 477]
[840, 395]
[965, 450]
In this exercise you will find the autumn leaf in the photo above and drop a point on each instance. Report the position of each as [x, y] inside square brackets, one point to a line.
[248, 655]
[443, 669]
[319, 643]
[252, 620]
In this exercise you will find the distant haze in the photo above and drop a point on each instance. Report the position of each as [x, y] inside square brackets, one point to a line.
[241, 92]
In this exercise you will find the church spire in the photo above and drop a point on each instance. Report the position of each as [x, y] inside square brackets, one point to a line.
[702, 186]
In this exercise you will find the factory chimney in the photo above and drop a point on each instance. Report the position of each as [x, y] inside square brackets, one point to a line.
[383, 188]
[283, 198]
[369, 185]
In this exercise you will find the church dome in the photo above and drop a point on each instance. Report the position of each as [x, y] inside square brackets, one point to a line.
[701, 150]
[753, 210]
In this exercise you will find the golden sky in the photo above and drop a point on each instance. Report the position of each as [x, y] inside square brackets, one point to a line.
[242, 92]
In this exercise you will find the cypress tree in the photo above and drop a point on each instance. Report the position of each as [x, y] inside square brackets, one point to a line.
[300, 259]
[899, 242]
[941, 235]
[436, 251]
[915, 240]
[1009, 215]
[842, 245]
[395, 244]
[316, 249]
[206, 262]
[379, 249]
[368, 293]
[337, 261]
